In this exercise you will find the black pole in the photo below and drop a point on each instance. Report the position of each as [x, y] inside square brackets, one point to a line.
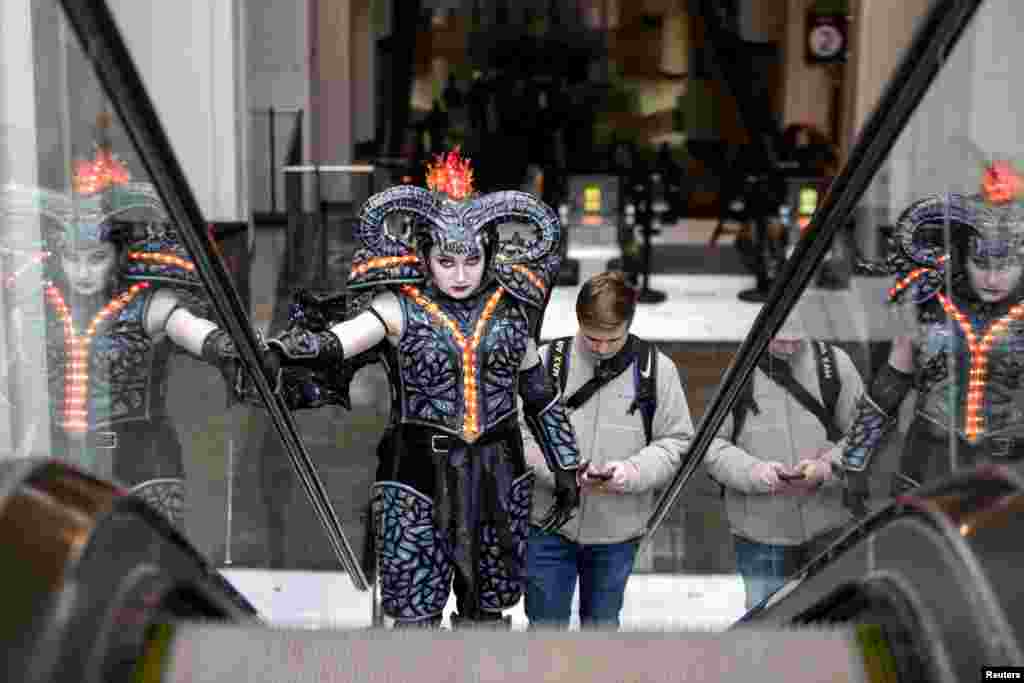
[273, 163]
[322, 220]
[647, 231]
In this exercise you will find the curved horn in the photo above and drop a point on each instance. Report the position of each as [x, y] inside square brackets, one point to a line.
[408, 198]
[933, 210]
[124, 198]
[512, 204]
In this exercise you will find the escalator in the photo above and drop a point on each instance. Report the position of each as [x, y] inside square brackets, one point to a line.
[102, 588]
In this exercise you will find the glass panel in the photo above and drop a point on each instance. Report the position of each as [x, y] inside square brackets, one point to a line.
[927, 326]
[105, 356]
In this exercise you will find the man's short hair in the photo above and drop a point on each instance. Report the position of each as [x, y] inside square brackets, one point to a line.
[606, 301]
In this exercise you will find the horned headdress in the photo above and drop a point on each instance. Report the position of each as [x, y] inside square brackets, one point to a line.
[448, 214]
[989, 225]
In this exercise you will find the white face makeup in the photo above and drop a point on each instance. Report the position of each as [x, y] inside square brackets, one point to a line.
[88, 268]
[457, 275]
[992, 281]
[604, 343]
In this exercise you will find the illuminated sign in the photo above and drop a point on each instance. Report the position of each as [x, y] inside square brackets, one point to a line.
[808, 201]
[806, 204]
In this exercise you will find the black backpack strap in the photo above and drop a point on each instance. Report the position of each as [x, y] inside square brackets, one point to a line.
[742, 406]
[781, 373]
[645, 382]
[558, 361]
[830, 384]
[605, 372]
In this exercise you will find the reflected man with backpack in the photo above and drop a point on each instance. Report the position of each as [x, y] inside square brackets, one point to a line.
[781, 473]
[626, 404]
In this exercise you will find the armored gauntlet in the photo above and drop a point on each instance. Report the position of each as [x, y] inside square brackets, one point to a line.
[875, 413]
[549, 423]
[875, 416]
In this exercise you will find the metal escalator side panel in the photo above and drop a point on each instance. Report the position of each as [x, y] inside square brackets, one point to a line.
[940, 571]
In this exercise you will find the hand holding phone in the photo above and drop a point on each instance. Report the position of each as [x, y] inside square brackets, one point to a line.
[602, 476]
[792, 476]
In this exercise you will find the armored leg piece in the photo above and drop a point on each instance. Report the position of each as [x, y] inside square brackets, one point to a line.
[167, 495]
[415, 569]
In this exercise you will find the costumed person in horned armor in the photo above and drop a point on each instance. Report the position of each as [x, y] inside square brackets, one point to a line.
[451, 308]
[958, 261]
[119, 295]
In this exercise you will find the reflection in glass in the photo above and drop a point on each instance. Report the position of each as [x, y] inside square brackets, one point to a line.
[102, 294]
[958, 265]
[781, 453]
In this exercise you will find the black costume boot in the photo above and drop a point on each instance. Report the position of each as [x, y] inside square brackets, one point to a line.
[405, 624]
[495, 621]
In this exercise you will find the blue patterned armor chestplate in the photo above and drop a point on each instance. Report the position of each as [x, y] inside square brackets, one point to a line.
[970, 372]
[105, 370]
[459, 361]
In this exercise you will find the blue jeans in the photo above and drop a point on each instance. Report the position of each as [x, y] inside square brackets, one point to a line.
[765, 567]
[553, 564]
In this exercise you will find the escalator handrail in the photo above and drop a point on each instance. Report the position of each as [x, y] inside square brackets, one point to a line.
[97, 32]
[931, 44]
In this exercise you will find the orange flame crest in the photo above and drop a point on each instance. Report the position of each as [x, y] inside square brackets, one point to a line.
[1001, 183]
[450, 174]
[105, 170]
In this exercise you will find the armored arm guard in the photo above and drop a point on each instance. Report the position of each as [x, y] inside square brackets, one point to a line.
[219, 351]
[546, 418]
[315, 371]
[875, 415]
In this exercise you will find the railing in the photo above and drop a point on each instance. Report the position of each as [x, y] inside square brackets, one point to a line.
[313, 237]
[275, 140]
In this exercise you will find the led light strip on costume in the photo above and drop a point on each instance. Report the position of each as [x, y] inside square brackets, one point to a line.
[973, 421]
[909, 279]
[531, 276]
[471, 420]
[163, 259]
[36, 259]
[76, 369]
[382, 262]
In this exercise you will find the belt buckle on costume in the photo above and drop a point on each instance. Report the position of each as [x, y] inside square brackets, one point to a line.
[104, 439]
[1000, 446]
[446, 448]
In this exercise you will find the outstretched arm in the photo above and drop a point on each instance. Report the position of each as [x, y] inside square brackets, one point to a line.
[304, 347]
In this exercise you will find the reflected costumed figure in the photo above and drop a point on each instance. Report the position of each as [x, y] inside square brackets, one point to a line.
[448, 310]
[119, 295]
[963, 338]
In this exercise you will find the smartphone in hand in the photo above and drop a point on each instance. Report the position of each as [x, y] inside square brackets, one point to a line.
[792, 476]
[602, 476]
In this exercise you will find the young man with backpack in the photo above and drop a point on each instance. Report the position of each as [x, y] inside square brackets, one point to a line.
[627, 407]
[783, 496]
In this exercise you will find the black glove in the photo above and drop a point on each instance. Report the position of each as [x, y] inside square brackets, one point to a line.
[567, 500]
[857, 494]
[301, 347]
[219, 350]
